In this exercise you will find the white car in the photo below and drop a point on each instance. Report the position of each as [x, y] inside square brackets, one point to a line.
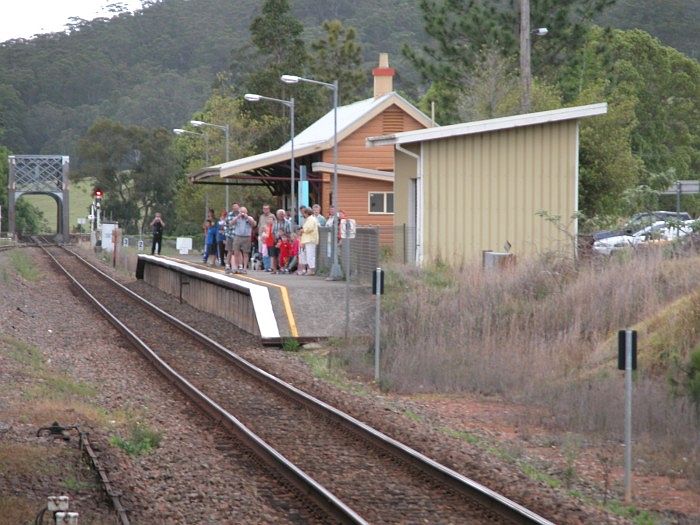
[660, 231]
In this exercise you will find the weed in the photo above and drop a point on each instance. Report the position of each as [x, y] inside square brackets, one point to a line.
[20, 460]
[536, 474]
[59, 386]
[24, 265]
[141, 440]
[4, 275]
[470, 438]
[333, 374]
[413, 416]
[24, 353]
[290, 345]
[638, 517]
[16, 510]
[73, 484]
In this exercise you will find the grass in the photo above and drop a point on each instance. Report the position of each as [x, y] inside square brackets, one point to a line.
[290, 345]
[75, 485]
[80, 198]
[48, 384]
[17, 510]
[413, 416]
[23, 353]
[637, 516]
[542, 333]
[140, 440]
[336, 375]
[18, 459]
[498, 450]
[24, 265]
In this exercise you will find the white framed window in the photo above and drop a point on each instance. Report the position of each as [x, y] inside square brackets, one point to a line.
[381, 202]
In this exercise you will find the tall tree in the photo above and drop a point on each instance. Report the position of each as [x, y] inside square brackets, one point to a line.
[134, 166]
[665, 85]
[276, 35]
[338, 56]
[461, 29]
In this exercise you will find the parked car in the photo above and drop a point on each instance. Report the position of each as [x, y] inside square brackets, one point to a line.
[658, 232]
[641, 220]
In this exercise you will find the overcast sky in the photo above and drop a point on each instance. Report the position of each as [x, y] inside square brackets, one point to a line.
[25, 18]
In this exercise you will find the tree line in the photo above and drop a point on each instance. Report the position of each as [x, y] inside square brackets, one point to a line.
[465, 63]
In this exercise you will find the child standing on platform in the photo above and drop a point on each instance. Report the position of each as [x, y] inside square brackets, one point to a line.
[210, 243]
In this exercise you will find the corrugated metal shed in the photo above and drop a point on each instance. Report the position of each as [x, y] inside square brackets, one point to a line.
[478, 186]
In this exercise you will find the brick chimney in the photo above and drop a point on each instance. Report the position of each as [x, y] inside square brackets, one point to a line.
[383, 76]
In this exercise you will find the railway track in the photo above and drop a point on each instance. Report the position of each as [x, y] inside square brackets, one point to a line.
[352, 472]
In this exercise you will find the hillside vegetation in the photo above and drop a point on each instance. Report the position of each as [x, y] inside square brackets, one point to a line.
[155, 67]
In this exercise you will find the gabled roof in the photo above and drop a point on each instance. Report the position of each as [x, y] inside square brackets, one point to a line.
[318, 136]
[482, 126]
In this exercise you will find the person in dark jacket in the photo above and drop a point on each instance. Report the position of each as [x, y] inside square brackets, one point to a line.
[157, 225]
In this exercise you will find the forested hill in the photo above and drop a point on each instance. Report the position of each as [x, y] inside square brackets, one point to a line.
[156, 67]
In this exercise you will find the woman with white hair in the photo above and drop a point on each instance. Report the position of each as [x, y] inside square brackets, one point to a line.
[309, 242]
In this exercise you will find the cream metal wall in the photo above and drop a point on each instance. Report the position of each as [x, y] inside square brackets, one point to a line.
[483, 190]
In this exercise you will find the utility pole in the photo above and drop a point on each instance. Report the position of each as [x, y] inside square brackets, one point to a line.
[525, 72]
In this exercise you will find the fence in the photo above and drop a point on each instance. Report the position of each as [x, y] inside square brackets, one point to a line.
[364, 252]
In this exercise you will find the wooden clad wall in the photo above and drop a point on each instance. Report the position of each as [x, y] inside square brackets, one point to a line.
[353, 152]
[354, 193]
[228, 303]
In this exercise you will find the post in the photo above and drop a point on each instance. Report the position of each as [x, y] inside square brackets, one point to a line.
[336, 274]
[678, 196]
[295, 213]
[346, 249]
[226, 133]
[378, 292]
[525, 73]
[628, 416]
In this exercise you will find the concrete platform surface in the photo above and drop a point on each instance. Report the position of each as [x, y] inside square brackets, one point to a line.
[307, 306]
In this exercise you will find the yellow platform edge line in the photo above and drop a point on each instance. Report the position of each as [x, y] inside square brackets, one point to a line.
[283, 291]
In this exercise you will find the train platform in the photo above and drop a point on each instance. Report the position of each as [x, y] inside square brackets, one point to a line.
[274, 306]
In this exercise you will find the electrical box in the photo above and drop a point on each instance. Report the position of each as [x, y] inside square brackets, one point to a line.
[66, 518]
[57, 503]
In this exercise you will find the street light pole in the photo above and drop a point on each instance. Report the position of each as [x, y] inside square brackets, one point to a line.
[525, 71]
[250, 97]
[336, 273]
[225, 129]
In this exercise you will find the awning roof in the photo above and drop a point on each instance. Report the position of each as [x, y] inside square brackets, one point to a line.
[482, 126]
[317, 137]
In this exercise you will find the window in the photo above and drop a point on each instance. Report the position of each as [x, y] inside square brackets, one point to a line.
[381, 202]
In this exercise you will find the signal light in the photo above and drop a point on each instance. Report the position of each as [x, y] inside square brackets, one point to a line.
[98, 193]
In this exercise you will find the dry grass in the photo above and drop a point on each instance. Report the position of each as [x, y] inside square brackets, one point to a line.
[15, 510]
[533, 333]
[18, 459]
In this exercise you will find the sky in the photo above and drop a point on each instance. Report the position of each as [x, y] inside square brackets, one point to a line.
[25, 18]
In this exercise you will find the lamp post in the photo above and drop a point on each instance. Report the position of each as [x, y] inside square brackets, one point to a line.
[525, 70]
[250, 97]
[336, 274]
[225, 129]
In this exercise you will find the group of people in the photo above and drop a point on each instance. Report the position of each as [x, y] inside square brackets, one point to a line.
[273, 241]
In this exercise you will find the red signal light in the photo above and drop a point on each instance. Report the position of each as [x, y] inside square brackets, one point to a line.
[98, 193]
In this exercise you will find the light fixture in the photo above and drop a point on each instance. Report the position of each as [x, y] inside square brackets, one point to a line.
[540, 31]
[289, 79]
[250, 97]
